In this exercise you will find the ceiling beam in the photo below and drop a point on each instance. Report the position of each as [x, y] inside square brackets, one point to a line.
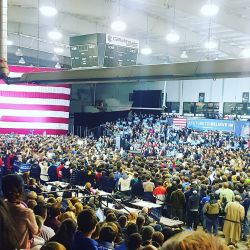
[191, 70]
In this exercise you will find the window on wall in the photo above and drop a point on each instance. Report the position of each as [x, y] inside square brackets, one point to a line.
[206, 109]
[188, 107]
[173, 107]
[236, 108]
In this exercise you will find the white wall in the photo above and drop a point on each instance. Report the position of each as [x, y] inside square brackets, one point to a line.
[116, 96]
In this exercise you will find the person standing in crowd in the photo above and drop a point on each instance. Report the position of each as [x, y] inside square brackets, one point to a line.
[246, 205]
[178, 201]
[8, 236]
[24, 218]
[193, 211]
[211, 211]
[35, 171]
[52, 171]
[160, 193]
[66, 172]
[44, 172]
[226, 193]
[148, 187]
[232, 225]
[124, 184]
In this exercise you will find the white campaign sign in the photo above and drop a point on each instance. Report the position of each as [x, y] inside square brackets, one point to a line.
[122, 41]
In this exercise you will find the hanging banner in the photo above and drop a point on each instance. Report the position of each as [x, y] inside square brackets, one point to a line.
[242, 128]
[211, 124]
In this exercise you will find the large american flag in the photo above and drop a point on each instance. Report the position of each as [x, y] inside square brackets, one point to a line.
[33, 109]
[180, 122]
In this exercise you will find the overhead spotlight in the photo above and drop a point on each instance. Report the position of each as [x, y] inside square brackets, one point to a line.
[246, 53]
[55, 58]
[146, 51]
[184, 54]
[118, 25]
[21, 60]
[55, 35]
[211, 45]
[9, 42]
[58, 65]
[58, 50]
[48, 10]
[210, 9]
[19, 52]
[173, 37]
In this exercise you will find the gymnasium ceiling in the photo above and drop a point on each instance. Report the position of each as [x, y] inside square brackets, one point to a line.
[147, 20]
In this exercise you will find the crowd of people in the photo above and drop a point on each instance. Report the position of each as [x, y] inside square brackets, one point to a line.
[200, 178]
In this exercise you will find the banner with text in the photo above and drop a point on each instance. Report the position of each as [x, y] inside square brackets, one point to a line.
[210, 124]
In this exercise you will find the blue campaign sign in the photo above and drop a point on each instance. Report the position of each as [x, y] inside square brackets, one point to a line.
[211, 124]
[242, 129]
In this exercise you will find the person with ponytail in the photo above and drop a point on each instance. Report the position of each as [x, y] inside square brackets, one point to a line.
[8, 235]
[24, 218]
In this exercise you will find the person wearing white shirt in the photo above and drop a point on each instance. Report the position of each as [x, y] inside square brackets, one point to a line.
[124, 184]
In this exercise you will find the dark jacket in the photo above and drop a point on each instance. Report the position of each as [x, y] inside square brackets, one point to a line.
[177, 199]
[52, 173]
[35, 171]
[194, 202]
[82, 243]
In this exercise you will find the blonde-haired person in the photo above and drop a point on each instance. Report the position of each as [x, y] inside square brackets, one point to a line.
[53, 246]
[190, 240]
[67, 215]
[79, 208]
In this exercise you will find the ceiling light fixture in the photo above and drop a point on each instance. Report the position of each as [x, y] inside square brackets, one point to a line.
[19, 52]
[245, 53]
[55, 35]
[184, 54]
[55, 58]
[118, 25]
[211, 45]
[48, 11]
[9, 43]
[210, 9]
[21, 60]
[146, 51]
[173, 37]
[58, 50]
[58, 65]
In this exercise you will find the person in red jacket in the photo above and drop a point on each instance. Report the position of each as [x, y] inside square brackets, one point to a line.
[59, 170]
[160, 193]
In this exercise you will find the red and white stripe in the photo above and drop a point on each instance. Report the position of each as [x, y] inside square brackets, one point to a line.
[33, 108]
[180, 122]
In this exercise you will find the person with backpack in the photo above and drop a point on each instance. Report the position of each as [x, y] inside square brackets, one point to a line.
[211, 211]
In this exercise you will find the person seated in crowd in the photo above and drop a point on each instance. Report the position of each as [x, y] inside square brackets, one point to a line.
[86, 226]
[45, 232]
[52, 220]
[108, 234]
[194, 240]
[134, 242]
[65, 233]
[53, 246]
